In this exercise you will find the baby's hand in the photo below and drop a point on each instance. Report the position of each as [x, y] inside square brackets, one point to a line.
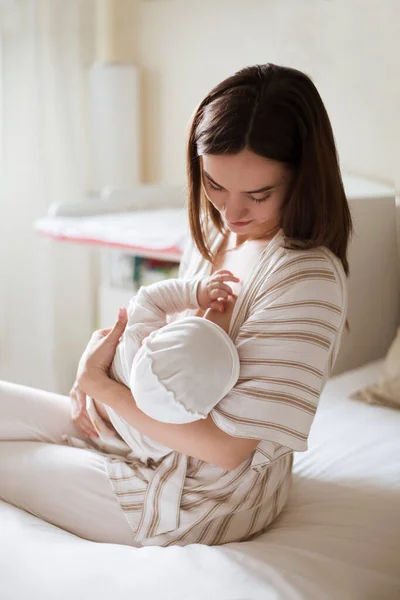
[212, 291]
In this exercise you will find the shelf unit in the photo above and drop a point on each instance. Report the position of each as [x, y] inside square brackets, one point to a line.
[158, 233]
[117, 279]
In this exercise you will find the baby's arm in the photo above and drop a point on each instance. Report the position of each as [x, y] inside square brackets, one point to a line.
[148, 310]
[154, 302]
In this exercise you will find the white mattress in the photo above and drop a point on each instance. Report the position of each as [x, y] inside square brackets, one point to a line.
[338, 538]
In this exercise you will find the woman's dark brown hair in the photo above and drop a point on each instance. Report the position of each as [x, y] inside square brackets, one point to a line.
[275, 112]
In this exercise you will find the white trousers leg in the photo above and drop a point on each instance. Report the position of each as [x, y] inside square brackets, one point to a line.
[66, 486]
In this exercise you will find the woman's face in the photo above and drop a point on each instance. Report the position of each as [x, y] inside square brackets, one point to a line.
[247, 190]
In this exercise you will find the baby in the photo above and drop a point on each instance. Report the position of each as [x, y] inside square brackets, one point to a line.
[178, 369]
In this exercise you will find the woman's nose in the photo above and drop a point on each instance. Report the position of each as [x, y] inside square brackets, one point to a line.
[234, 211]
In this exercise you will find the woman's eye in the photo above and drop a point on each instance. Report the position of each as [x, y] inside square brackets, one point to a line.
[213, 187]
[261, 199]
[218, 189]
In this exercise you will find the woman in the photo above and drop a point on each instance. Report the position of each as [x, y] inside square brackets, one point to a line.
[266, 201]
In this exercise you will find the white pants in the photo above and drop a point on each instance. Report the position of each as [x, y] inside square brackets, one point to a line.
[66, 486]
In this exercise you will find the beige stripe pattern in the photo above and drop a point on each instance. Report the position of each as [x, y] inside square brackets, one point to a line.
[287, 325]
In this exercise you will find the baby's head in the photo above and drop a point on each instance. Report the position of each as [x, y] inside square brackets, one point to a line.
[183, 370]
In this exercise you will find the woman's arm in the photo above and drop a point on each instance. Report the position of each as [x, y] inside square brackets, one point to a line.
[103, 413]
[201, 439]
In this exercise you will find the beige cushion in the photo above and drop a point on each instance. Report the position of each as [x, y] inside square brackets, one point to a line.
[387, 390]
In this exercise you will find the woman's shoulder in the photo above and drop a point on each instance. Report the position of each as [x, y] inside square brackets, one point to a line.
[310, 261]
[319, 253]
[302, 274]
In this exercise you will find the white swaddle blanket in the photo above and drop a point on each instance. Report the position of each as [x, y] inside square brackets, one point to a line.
[177, 371]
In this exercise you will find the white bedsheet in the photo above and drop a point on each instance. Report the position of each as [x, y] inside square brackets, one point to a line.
[338, 538]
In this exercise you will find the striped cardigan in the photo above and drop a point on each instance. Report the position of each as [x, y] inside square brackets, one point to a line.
[286, 324]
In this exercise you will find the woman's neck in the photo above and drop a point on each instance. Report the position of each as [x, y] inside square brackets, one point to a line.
[266, 236]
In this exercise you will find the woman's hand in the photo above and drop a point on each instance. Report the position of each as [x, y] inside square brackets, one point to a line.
[79, 414]
[212, 292]
[96, 360]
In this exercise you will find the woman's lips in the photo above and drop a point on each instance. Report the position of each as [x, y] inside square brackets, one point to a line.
[239, 223]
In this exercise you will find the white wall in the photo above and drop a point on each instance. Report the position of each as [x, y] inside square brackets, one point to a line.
[351, 49]
[21, 202]
[46, 304]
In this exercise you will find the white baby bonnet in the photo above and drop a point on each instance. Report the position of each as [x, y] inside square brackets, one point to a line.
[183, 369]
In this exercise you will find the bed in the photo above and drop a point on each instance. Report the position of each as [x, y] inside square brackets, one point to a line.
[339, 535]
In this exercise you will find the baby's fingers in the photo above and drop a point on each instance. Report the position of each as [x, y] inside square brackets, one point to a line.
[215, 305]
[218, 285]
[218, 293]
[225, 275]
